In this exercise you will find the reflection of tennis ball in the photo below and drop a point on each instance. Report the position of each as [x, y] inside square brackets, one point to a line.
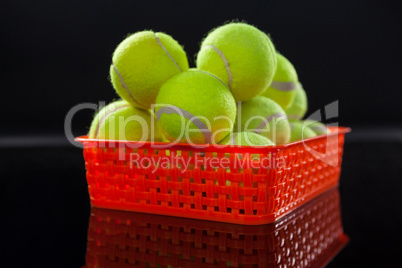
[298, 107]
[265, 117]
[300, 131]
[283, 87]
[195, 107]
[318, 127]
[242, 56]
[247, 139]
[142, 63]
[120, 121]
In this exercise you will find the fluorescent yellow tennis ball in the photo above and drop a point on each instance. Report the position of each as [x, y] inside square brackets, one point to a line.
[242, 56]
[300, 131]
[298, 107]
[283, 86]
[120, 121]
[195, 107]
[265, 117]
[246, 139]
[142, 63]
[164, 139]
[318, 127]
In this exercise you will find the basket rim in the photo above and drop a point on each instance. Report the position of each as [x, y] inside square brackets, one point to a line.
[90, 143]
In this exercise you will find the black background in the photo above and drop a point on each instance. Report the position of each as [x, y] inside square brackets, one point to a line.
[56, 54]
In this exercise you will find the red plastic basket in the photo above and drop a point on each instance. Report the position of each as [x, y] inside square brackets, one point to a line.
[309, 237]
[234, 184]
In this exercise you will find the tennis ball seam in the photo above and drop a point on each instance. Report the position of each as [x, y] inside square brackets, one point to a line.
[283, 86]
[100, 122]
[171, 109]
[123, 84]
[293, 117]
[292, 126]
[225, 63]
[167, 52]
[267, 120]
[217, 78]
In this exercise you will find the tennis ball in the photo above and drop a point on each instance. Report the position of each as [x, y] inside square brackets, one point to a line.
[142, 63]
[120, 121]
[300, 131]
[195, 107]
[283, 86]
[298, 107]
[242, 56]
[318, 127]
[265, 117]
[246, 139]
[164, 139]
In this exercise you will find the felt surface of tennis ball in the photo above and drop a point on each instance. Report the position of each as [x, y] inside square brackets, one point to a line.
[265, 117]
[300, 131]
[164, 139]
[201, 97]
[120, 121]
[142, 63]
[298, 107]
[283, 86]
[246, 139]
[242, 56]
[318, 127]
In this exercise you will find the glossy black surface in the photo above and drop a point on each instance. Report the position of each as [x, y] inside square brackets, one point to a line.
[45, 205]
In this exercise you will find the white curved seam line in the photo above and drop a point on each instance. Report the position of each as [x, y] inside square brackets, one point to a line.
[214, 77]
[267, 120]
[283, 86]
[293, 117]
[225, 62]
[124, 85]
[167, 52]
[292, 126]
[106, 115]
[194, 119]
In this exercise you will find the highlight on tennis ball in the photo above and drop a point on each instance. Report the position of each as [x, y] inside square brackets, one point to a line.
[195, 107]
[242, 92]
[142, 62]
[242, 56]
[121, 121]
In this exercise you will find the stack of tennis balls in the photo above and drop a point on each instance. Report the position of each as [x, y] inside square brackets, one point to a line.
[141, 64]
[242, 91]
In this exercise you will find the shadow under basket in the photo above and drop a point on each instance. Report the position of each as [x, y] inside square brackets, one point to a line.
[233, 184]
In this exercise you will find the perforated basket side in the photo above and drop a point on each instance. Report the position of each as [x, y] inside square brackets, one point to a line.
[243, 191]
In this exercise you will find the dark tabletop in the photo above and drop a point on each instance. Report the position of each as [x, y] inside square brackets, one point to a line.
[46, 208]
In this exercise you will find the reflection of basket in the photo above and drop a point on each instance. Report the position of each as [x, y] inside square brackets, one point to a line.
[242, 185]
[308, 237]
